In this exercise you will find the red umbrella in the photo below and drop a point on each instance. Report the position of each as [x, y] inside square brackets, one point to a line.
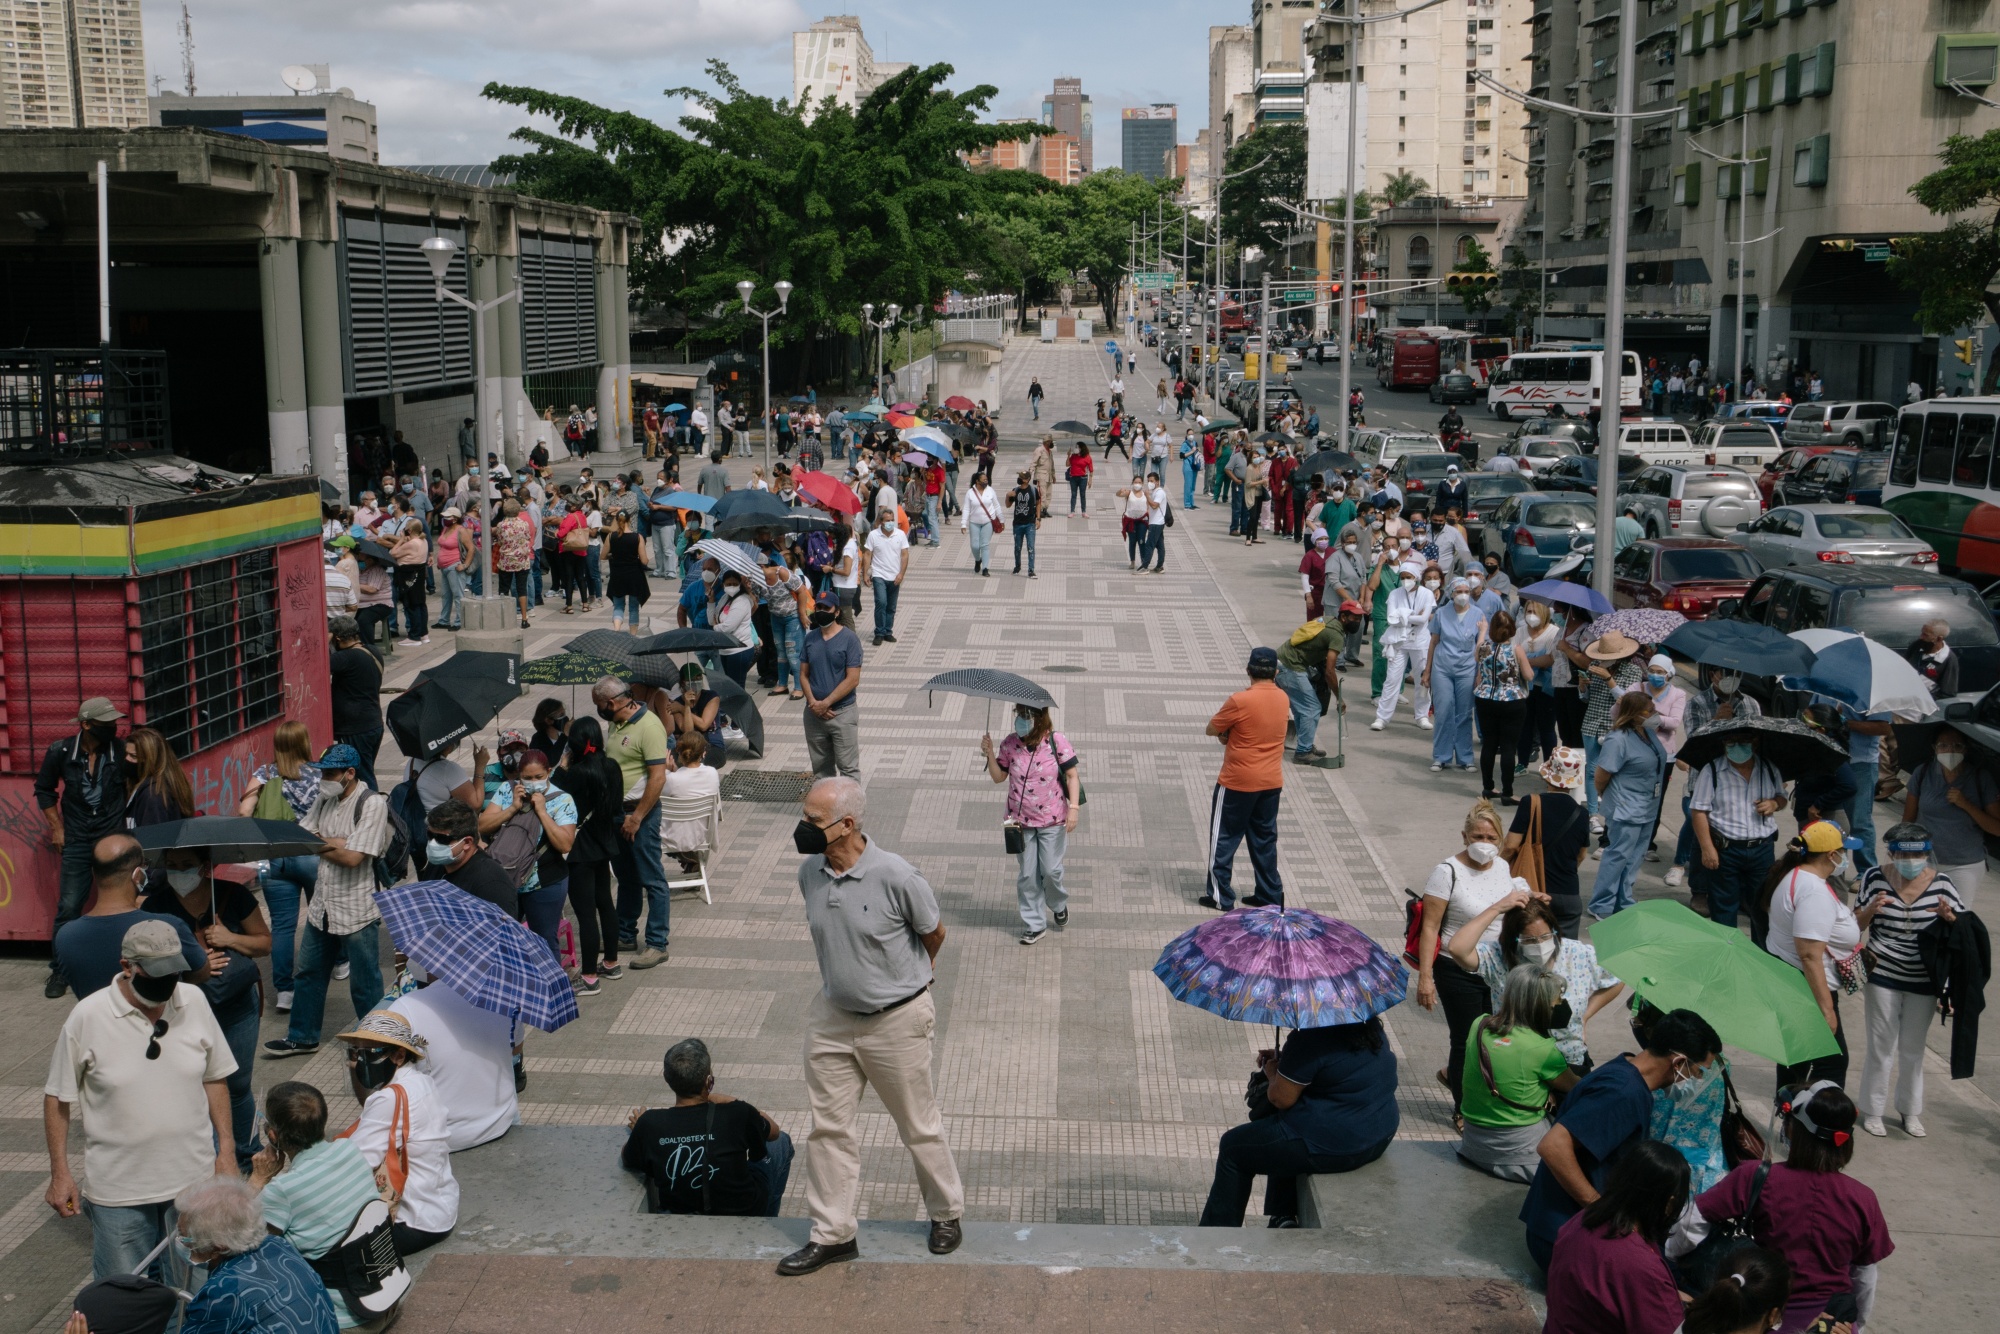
[899, 420]
[902, 407]
[828, 491]
[960, 403]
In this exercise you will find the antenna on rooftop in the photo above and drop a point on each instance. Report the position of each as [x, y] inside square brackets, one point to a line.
[187, 48]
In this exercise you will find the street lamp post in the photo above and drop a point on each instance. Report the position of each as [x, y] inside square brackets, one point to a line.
[746, 289]
[438, 250]
[880, 327]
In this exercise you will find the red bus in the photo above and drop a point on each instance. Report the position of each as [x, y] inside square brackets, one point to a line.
[1233, 318]
[1409, 360]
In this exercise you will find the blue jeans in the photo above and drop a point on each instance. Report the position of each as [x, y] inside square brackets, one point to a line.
[1190, 478]
[626, 607]
[1035, 406]
[535, 580]
[642, 876]
[1591, 745]
[1861, 810]
[239, 1030]
[1238, 516]
[319, 951]
[1451, 705]
[286, 884]
[790, 634]
[775, 1167]
[931, 518]
[543, 909]
[980, 534]
[1618, 871]
[121, 1235]
[450, 599]
[1266, 1148]
[1305, 707]
[885, 606]
[592, 566]
[1736, 881]
[1024, 532]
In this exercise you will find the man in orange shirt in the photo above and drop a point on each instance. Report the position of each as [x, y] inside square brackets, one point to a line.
[1252, 727]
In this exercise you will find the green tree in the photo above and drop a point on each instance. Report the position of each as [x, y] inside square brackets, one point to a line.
[1521, 290]
[1476, 297]
[1401, 188]
[873, 204]
[1952, 272]
[1249, 215]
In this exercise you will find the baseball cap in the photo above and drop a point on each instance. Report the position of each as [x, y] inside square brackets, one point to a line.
[1350, 607]
[1826, 836]
[453, 512]
[1264, 658]
[339, 756]
[155, 946]
[827, 601]
[98, 709]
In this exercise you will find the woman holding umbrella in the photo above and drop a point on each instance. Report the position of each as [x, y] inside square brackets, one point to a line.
[1039, 767]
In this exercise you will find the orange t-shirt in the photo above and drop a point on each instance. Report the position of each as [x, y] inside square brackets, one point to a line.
[1254, 751]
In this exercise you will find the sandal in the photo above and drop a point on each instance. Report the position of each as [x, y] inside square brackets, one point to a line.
[798, 694]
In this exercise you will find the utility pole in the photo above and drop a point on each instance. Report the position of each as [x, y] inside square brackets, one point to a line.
[1264, 354]
[1611, 396]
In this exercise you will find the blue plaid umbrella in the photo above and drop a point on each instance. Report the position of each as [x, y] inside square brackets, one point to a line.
[479, 952]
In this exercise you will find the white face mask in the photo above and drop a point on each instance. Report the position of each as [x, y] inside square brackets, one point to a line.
[1409, 584]
[1461, 600]
[1534, 621]
[1726, 685]
[185, 880]
[330, 790]
[1350, 547]
[1431, 584]
[1481, 854]
[1950, 759]
[1539, 951]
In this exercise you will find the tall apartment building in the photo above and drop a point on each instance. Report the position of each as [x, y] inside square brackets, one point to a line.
[1057, 157]
[1232, 98]
[1278, 76]
[1148, 135]
[1842, 110]
[68, 64]
[833, 58]
[1067, 110]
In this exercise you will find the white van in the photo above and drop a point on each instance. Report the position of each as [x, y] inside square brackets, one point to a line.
[1659, 440]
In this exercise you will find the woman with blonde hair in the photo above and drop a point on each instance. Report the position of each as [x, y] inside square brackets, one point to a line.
[1462, 886]
[285, 790]
[160, 789]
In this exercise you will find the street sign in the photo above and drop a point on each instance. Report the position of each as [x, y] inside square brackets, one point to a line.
[1299, 294]
[1875, 254]
[1152, 281]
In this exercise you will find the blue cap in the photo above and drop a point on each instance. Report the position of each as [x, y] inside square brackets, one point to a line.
[1264, 657]
[340, 755]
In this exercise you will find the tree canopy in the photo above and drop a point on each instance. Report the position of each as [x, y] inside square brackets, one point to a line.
[1952, 272]
[1266, 165]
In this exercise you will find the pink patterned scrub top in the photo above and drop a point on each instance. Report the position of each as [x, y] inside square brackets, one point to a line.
[1035, 794]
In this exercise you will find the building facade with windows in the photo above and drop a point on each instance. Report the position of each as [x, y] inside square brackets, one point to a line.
[71, 64]
[1066, 110]
[832, 58]
[1148, 136]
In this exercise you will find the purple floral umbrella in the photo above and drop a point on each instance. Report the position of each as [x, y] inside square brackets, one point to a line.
[1282, 966]
[1646, 625]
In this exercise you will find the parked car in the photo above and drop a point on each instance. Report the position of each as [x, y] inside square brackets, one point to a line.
[1418, 474]
[1456, 387]
[1834, 535]
[1578, 472]
[1658, 440]
[1763, 410]
[1888, 605]
[1676, 501]
[1748, 443]
[1788, 462]
[1327, 349]
[1485, 492]
[1537, 452]
[1578, 429]
[1532, 530]
[1849, 423]
[1837, 477]
[1690, 575]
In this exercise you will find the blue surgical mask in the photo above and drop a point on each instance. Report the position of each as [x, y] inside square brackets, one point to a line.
[1909, 868]
[1655, 680]
[439, 853]
[1685, 1091]
[1023, 726]
[1739, 752]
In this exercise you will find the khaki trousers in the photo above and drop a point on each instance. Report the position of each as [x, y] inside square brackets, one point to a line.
[891, 1052]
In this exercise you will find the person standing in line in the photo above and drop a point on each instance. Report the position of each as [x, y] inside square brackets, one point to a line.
[86, 951]
[80, 789]
[1500, 699]
[1251, 727]
[1256, 487]
[1035, 397]
[885, 559]
[1631, 766]
[1405, 635]
[449, 556]
[1958, 806]
[1026, 501]
[154, 1111]
[637, 740]
[1450, 670]
[844, 576]
[1190, 456]
[876, 932]
[1732, 804]
[513, 552]
[355, 677]
[1812, 929]
[1039, 767]
[1898, 901]
[979, 518]
[832, 675]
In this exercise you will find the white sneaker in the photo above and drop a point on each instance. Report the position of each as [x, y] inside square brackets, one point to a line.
[341, 970]
[284, 1004]
[1597, 824]
[406, 643]
[1913, 1126]
[1676, 876]
[1377, 726]
[1437, 768]
[1873, 1125]
[1426, 724]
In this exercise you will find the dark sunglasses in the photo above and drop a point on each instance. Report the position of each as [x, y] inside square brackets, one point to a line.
[153, 1047]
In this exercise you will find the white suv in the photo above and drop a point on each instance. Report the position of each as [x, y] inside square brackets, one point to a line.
[1659, 440]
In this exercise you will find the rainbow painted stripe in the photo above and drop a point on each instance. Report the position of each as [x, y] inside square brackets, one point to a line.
[149, 545]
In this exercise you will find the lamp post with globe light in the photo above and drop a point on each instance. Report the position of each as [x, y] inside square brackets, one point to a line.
[746, 289]
[438, 251]
[881, 328]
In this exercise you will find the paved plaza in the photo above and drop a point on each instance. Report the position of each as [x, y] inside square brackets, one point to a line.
[1075, 1090]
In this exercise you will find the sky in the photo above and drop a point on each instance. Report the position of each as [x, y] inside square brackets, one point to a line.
[423, 62]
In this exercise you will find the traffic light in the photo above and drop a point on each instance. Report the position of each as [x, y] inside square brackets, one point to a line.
[1470, 282]
[1250, 366]
[1964, 346]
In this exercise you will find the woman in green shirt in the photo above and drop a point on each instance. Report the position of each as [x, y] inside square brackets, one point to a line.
[1512, 1066]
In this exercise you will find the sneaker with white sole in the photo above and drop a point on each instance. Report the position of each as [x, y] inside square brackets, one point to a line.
[1676, 876]
[284, 1003]
[1873, 1125]
[1030, 937]
[1914, 1127]
[1377, 726]
[341, 970]
[1597, 824]
[1426, 724]
[1437, 768]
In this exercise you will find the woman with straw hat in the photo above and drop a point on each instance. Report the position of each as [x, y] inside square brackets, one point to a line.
[401, 1130]
[1614, 669]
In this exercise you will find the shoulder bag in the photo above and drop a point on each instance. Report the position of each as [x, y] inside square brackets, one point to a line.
[991, 517]
[1527, 860]
[1700, 1267]
[395, 1168]
[363, 1266]
[1413, 920]
[1742, 1142]
[271, 803]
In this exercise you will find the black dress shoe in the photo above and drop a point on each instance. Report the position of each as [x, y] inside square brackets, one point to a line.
[56, 986]
[945, 1236]
[1208, 901]
[813, 1256]
[1258, 901]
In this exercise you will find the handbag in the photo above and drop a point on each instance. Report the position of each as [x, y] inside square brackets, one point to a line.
[1742, 1142]
[1015, 838]
[1527, 859]
[1413, 921]
[395, 1167]
[1700, 1267]
[1257, 1096]
[990, 515]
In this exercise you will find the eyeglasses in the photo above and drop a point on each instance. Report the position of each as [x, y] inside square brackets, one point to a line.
[153, 1047]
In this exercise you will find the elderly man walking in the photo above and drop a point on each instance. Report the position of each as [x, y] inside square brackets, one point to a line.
[876, 931]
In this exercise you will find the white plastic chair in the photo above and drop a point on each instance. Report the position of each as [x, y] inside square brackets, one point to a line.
[687, 810]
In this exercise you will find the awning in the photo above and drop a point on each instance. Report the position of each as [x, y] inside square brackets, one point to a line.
[661, 381]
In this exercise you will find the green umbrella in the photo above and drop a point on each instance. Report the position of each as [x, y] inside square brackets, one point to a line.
[1680, 961]
[570, 669]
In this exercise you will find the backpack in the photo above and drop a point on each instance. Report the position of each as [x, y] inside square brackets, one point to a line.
[406, 812]
[516, 843]
[1308, 632]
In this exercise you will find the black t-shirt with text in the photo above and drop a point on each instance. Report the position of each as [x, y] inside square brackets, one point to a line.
[701, 1166]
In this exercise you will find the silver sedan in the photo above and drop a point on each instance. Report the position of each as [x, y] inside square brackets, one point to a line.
[1834, 535]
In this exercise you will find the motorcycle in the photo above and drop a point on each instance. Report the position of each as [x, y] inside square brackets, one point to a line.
[1580, 547]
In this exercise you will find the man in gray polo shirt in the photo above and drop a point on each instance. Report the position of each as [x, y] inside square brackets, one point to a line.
[876, 930]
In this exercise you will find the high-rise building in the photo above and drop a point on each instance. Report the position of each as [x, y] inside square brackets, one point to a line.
[1067, 111]
[70, 64]
[1277, 41]
[1149, 134]
[1232, 102]
[833, 59]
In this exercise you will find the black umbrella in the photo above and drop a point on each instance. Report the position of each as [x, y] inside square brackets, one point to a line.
[1072, 428]
[789, 521]
[329, 494]
[613, 644]
[741, 709]
[965, 435]
[1743, 646]
[1916, 743]
[568, 669]
[374, 551]
[229, 838]
[747, 502]
[452, 700]
[688, 639]
[1328, 461]
[1797, 750]
[987, 683]
[1275, 438]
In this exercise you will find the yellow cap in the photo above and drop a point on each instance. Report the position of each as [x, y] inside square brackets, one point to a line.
[1825, 836]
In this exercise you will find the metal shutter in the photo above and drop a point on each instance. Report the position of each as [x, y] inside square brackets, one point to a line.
[559, 302]
[399, 336]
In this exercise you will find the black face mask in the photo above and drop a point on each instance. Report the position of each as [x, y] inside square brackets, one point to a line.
[608, 715]
[809, 838]
[822, 619]
[104, 733]
[1560, 1016]
[155, 990]
[373, 1068]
